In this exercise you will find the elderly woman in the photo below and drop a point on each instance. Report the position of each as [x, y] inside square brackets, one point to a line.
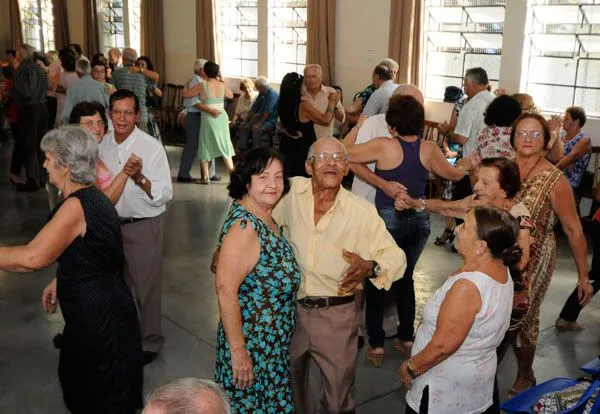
[99, 74]
[257, 279]
[245, 101]
[547, 194]
[100, 365]
[114, 60]
[465, 320]
[494, 139]
[577, 146]
[406, 159]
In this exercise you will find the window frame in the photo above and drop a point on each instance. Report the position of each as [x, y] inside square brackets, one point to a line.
[45, 41]
[130, 15]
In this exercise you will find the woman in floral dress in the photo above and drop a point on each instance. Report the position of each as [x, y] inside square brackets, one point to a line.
[494, 139]
[547, 195]
[257, 279]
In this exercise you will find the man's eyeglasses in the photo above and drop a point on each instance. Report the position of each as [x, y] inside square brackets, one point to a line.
[127, 114]
[326, 156]
[90, 124]
[532, 134]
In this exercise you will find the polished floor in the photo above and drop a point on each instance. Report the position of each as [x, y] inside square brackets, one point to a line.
[28, 361]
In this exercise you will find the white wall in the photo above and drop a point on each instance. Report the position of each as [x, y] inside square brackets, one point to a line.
[179, 18]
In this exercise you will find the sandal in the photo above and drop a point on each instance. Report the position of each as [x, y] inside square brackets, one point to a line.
[375, 356]
[446, 236]
[404, 347]
[532, 383]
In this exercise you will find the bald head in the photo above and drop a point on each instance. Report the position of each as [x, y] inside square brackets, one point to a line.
[405, 89]
[189, 396]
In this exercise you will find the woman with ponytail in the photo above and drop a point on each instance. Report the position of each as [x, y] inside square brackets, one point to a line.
[465, 320]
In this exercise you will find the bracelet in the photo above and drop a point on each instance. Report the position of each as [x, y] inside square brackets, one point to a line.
[587, 282]
[411, 369]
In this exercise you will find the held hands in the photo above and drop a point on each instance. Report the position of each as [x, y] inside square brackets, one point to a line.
[241, 365]
[404, 376]
[404, 201]
[359, 270]
[49, 300]
[334, 98]
[393, 189]
[469, 163]
[133, 165]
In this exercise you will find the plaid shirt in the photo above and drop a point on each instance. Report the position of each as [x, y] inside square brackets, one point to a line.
[30, 84]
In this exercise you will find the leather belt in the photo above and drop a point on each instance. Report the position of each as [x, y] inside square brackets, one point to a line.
[313, 302]
[130, 220]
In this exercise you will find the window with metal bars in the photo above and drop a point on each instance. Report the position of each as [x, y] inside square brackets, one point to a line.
[460, 34]
[121, 24]
[238, 26]
[563, 54]
[38, 24]
[287, 34]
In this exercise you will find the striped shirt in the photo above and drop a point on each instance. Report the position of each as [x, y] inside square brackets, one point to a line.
[30, 84]
[136, 83]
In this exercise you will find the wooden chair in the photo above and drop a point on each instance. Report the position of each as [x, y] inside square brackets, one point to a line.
[435, 184]
[172, 105]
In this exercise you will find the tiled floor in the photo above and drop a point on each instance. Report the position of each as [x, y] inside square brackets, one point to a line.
[28, 361]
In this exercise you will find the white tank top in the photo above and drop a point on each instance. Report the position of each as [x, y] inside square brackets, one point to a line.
[464, 382]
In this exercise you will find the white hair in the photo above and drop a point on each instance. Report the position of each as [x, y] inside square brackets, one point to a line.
[199, 65]
[408, 89]
[390, 63]
[261, 82]
[83, 67]
[313, 147]
[129, 56]
[74, 148]
[313, 66]
[183, 396]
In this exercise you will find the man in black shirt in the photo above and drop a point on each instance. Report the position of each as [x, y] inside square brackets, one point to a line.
[30, 86]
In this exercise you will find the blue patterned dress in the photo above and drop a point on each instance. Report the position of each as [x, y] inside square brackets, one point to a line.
[267, 299]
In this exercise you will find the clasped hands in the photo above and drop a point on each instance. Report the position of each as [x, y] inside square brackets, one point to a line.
[133, 166]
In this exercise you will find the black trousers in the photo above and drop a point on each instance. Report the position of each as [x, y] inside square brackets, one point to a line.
[18, 155]
[462, 189]
[51, 104]
[572, 308]
[32, 126]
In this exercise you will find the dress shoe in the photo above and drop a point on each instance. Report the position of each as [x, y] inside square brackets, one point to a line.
[148, 357]
[215, 178]
[564, 325]
[28, 186]
[58, 340]
[185, 180]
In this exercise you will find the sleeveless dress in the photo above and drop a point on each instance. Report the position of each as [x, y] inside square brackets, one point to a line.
[575, 171]
[464, 382]
[215, 140]
[295, 151]
[100, 366]
[535, 195]
[267, 299]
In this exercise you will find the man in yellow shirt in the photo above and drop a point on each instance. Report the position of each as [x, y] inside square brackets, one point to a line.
[339, 241]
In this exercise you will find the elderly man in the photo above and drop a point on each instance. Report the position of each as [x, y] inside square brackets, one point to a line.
[384, 82]
[340, 242]
[29, 92]
[86, 89]
[123, 78]
[470, 121]
[191, 126]
[316, 93]
[261, 119]
[141, 205]
[189, 396]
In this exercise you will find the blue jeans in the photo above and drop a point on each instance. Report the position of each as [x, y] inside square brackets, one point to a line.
[410, 230]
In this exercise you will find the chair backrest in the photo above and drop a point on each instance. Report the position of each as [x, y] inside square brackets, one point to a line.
[596, 153]
[431, 133]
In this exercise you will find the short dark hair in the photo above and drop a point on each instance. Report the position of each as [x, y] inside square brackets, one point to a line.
[211, 69]
[11, 52]
[253, 162]
[121, 94]
[68, 59]
[406, 115]
[99, 62]
[149, 64]
[502, 111]
[76, 47]
[509, 176]
[383, 72]
[338, 88]
[537, 117]
[88, 109]
[577, 114]
[500, 230]
[99, 56]
[477, 75]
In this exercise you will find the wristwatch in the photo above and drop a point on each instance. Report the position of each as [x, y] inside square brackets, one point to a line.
[142, 181]
[423, 205]
[410, 369]
[375, 270]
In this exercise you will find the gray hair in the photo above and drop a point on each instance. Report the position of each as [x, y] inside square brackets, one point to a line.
[477, 75]
[198, 65]
[313, 66]
[183, 396]
[391, 64]
[313, 148]
[408, 89]
[129, 56]
[83, 67]
[261, 82]
[26, 51]
[75, 149]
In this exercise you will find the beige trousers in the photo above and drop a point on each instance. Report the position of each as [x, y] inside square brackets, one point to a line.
[328, 336]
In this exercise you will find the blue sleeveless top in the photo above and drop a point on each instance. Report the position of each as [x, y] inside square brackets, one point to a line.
[410, 173]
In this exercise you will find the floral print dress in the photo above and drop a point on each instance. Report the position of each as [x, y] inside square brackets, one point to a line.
[494, 142]
[267, 298]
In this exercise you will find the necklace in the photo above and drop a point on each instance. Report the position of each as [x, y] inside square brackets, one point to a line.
[531, 169]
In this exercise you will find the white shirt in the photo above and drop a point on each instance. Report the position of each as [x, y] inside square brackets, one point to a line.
[321, 102]
[470, 119]
[134, 202]
[464, 382]
[375, 126]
